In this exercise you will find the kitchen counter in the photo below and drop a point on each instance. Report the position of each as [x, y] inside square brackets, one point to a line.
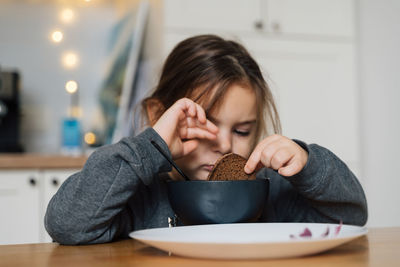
[39, 161]
[380, 247]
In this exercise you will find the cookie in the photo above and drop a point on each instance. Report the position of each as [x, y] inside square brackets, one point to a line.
[230, 167]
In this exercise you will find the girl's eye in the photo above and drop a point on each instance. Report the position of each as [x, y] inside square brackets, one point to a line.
[242, 133]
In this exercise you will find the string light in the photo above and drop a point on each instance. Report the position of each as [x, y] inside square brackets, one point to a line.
[71, 86]
[67, 15]
[57, 36]
[70, 60]
[76, 112]
[90, 138]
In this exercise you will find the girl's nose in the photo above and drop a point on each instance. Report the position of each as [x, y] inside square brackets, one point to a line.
[224, 143]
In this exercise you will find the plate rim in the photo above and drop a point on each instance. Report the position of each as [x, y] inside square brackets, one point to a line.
[363, 230]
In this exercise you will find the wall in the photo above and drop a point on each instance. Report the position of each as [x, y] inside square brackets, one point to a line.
[379, 39]
[25, 45]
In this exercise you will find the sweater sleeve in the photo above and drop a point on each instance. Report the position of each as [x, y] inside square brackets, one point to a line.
[325, 191]
[91, 205]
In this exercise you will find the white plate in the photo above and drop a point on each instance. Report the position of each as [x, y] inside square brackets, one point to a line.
[247, 240]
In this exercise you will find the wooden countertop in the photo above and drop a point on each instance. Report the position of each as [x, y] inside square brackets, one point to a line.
[39, 161]
[381, 247]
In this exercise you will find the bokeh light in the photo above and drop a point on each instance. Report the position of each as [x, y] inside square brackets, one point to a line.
[70, 60]
[71, 86]
[90, 138]
[67, 15]
[57, 36]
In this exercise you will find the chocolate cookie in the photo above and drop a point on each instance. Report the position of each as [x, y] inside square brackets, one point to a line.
[230, 167]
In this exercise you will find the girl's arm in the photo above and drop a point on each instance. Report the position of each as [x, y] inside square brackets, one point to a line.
[91, 205]
[325, 190]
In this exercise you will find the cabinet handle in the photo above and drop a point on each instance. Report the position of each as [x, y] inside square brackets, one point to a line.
[276, 26]
[55, 182]
[258, 25]
[32, 181]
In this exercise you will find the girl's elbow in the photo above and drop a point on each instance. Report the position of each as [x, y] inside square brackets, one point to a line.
[359, 216]
[62, 231]
[364, 215]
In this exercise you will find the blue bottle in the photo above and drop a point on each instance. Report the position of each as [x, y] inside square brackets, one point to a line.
[71, 136]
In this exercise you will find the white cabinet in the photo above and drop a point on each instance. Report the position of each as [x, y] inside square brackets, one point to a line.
[309, 17]
[290, 17]
[19, 206]
[24, 195]
[52, 180]
[214, 15]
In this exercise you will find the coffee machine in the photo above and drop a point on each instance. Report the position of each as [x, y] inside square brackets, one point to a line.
[9, 112]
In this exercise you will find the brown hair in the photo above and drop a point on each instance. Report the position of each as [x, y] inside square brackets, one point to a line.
[201, 63]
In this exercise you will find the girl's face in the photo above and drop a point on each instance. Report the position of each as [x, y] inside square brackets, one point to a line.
[236, 120]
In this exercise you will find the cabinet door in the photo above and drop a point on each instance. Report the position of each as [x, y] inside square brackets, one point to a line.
[300, 18]
[315, 89]
[52, 181]
[19, 206]
[310, 17]
[212, 15]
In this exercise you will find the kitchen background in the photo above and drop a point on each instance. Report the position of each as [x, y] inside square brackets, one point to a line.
[332, 64]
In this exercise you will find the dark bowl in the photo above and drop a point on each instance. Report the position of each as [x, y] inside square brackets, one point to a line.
[205, 202]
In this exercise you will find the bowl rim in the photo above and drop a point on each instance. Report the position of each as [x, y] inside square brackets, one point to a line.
[257, 180]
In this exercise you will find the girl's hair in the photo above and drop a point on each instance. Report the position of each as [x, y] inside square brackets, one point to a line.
[202, 68]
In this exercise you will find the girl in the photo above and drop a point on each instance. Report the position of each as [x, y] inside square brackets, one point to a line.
[211, 100]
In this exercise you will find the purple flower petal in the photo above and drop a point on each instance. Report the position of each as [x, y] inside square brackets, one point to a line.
[337, 229]
[306, 233]
[326, 232]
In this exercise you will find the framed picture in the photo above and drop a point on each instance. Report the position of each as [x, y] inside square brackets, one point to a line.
[118, 90]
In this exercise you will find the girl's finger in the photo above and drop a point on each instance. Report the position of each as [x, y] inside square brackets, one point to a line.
[201, 114]
[253, 160]
[267, 154]
[280, 158]
[211, 127]
[191, 133]
[189, 110]
[189, 146]
[191, 122]
[195, 113]
[207, 125]
[187, 106]
[194, 123]
[256, 156]
[293, 167]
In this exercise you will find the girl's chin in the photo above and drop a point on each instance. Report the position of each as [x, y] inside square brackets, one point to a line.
[200, 176]
[199, 179]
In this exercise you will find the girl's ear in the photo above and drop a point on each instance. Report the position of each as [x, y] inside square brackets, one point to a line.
[154, 109]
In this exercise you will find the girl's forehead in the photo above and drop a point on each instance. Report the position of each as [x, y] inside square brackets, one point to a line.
[211, 97]
[234, 105]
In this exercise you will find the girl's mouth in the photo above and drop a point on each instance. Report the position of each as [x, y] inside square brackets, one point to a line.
[207, 167]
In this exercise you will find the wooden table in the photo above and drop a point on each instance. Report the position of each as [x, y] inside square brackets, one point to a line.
[381, 247]
[39, 161]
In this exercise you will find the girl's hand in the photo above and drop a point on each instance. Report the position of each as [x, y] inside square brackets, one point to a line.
[279, 153]
[182, 124]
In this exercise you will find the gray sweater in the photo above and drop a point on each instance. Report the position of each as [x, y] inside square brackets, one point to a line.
[120, 189]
